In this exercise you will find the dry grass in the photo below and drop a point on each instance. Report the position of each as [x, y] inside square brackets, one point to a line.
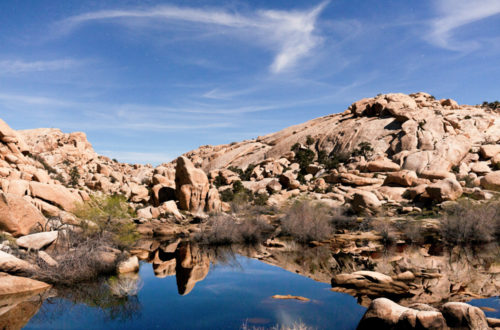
[306, 221]
[469, 222]
[223, 230]
[297, 325]
[81, 258]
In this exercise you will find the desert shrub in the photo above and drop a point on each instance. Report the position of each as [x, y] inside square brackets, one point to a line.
[384, 228]
[241, 200]
[224, 230]
[74, 176]
[364, 149]
[468, 222]
[304, 157]
[81, 257]
[306, 221]
[261, 199]
[492, 105]
[226, 195]
[219, 181]
[109, 214]
[340, 219]
[333, 160]
[244, 175]
[412, 231]
[309, 140]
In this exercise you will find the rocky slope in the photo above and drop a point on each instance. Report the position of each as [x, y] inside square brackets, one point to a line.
[390, 148]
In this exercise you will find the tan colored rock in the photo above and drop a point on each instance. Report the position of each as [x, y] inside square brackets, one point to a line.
[386, 314]
[403, 178]
[56, 194]
[273, 187]
[445, 190]
[382, 166]
[491, 181]
[191, 186]
[289, 181]
[170, 208]
[459, 315]
[11, 285]
[13, 265]
[37, 241]
[17, 216]
[365, 202]
[130, 265]
[18, 187]
[213, 203]
[489, 150]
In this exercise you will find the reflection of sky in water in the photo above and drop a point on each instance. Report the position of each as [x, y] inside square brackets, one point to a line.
[228, 297]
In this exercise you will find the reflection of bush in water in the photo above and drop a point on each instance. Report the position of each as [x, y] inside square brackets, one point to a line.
[95, 295]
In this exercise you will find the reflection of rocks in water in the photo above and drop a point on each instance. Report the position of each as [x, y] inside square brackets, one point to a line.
[192, 267]
[16, 310]
[20, 299]
[15, 315]
[409, 275]
[184, 260]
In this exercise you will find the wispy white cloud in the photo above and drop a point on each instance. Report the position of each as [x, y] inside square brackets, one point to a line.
[454, 14]
[21, 66]
[291, 35]
[154, 158]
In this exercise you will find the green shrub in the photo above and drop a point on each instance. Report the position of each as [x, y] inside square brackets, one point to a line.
[309, 141]
[364, 149]
[109, 214]
[74, 176]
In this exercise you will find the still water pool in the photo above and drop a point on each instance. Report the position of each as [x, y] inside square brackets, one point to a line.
[231, 295]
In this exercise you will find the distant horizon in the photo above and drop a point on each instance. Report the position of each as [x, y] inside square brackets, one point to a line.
[148, 82]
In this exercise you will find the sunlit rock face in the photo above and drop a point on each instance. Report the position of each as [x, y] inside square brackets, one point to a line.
[416, 132]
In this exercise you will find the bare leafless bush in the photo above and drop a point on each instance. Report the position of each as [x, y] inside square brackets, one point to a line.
[223, 229]
[80, 258]
[306, 221]
[468, 222]
[384, 228]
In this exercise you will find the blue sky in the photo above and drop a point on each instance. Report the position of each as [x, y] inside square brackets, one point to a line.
[149, 80]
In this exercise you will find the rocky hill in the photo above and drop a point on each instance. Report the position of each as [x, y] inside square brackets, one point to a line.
[392, 147]
[392, 150]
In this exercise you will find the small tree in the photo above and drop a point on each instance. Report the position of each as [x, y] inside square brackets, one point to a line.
[309, 141]
[74, 176]
[364, 149]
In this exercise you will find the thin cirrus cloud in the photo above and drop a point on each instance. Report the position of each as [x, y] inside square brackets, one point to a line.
[454, 14]
[21, 66]
[291, 35]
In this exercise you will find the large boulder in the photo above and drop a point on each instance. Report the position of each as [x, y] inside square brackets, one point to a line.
[18, 216]
[491, 181]
[365, 202]
[370, 283]
[386, 314]
[56, 194]
[37, 241]
[445, 190]
[13, 265]
[383, 165]
[460, 315]
[11, 285]
[192, 186]
[489, 150]
[404, 178]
